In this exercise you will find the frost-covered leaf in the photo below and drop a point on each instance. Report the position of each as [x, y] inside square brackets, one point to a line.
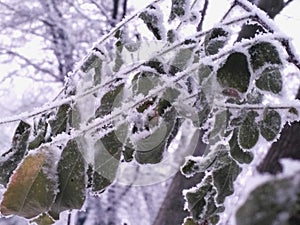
[215, 40]
[236, 152]
[220, 124]
[249, 31]
[31, 189]
[263, 53]
[189, 221]
[201, 202]
[274, 202]
[181, 60]
[270, 125]
[106, 160]
[118, 56]
[44, 219]
[108, 100]
[270, 80]
[248, 131]
[156, 64]
[204, 72]
[60, 122]
[39, 133]
[93, 61]
[144, 82]
[71, 180]
[254, 97]
[235, 72]
[178, 8]
[151, 148]
[152, 17]
[224, 176]
[190, 167]
[10, 160]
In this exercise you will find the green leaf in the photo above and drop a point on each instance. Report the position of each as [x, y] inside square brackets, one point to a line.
[189, 221]
[178, 9]
[71, 179]
[215, 40]
[189, 168]
[108, 100]
[220, 123]
[249, 31]
[157, 65]
[224, 176]
[270, 80]
[106, 161]
[44, 219]
[31, 189]
[235, 72]
[151, 148]
[60, 123]
[93, 61]
[118, 56]
[11, 159]
[274, 202]
[39, 133]
[151, 17]
[181, 60]
[248, 131]
[263, 53]
[236, 152]
[201, 202]
[204, 72]
[270, 125]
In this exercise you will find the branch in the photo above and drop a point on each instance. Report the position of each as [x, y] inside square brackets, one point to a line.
[203, 14]
[285, 106]
[287, 3]
[34, 65]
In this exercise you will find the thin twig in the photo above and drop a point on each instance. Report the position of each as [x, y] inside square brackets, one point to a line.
[287, 2]
[229, 11]
[203, 14]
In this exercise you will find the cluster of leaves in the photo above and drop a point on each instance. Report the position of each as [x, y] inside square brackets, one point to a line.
[119, 113]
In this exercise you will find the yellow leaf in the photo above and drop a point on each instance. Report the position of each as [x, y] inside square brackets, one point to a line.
[30, 190]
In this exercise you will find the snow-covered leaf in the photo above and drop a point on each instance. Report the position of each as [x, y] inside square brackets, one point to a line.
[204, 72]
[31, 189]
[181, 60]
[236, 152]
[263, 53]
[270, 125]
[224, 176]
[190, 167]
[39, 133]
[10, 160]
[71, 180]
[235, 72]
[274, 202]
[152, 17]
[178, 8]
[108, 100]
[93, 61]
[106, 160]
[151, 148]
[60, 122]
[270, 80]
[201, 202]
[248, 131]
[215, 40]
[118, 62]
